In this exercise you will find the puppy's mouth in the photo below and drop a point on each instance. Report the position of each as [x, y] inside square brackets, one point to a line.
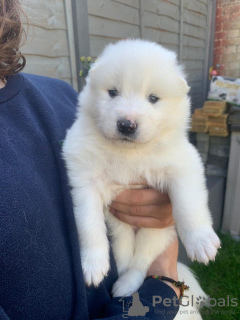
[126, 140]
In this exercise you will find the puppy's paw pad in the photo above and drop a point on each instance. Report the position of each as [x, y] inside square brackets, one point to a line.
[95, 265]
[202, 244]
[128, 283]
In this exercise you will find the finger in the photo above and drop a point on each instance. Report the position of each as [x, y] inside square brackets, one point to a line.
[142, 197]
[141, 222]
[154, 211]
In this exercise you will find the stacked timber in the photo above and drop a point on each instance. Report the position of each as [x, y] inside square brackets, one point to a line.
[199, 121]
[211, 118]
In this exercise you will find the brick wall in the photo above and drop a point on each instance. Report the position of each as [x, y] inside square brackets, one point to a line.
[227, 37]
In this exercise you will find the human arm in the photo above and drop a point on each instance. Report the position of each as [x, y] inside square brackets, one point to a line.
[161, 298]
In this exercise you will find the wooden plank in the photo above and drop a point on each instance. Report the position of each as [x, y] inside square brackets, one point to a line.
[193, 42]
[46, 14]
[50, 67]
[102, 27]
[194, 18]
[97, 44]
[213, 6]
[81, 34]
[193, 65]
[196, 75]
[114, 11]
[71, 44]
[142, 12]
[161, 22]
[162, 8]
[175, 2]
[204, 1]
[207, 46]
[180, 32]
[194, 31]
[67, 80]
[193, 53]
[231, 221]
[195, 87]
[162, 37]
[130, 3]
[172, 47]
[197, 99]
[49, 43]
[195, 5]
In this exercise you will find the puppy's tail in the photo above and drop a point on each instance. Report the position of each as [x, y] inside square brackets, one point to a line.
[194, 298]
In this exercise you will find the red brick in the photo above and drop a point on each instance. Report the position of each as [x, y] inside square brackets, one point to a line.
[231, 41]
[221, 35]
[223, 18]
[223, 2]
[218, 43]
[227, 39]
[219, 11]
[235, 16]
[219, 51]
[225, 42]
[234, 9]
[219, 27]
[226, 9]
[217, 59]
[226, 25]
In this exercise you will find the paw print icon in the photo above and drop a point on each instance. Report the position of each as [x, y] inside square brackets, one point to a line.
[201, 302]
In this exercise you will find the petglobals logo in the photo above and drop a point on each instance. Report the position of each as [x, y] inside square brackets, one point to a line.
[132, 305]
[209, 301]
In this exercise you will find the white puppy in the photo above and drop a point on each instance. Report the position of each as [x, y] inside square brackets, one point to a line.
[131, 127]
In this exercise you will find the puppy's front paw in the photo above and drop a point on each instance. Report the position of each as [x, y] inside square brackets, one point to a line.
[202, 244]
[95, 265]
[128, 283]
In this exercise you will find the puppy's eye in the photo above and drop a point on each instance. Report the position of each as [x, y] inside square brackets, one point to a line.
[153, 99]
[113, 93]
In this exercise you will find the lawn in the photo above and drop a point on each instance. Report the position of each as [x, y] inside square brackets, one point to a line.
[221, 281]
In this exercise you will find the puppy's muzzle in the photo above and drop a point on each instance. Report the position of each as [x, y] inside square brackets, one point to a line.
[127, 127]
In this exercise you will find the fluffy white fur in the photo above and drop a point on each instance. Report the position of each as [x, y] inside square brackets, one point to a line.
[101, 163]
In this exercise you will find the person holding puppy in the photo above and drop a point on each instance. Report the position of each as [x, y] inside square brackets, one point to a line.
[41, 276]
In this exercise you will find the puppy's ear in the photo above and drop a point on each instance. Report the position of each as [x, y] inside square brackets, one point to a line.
[183, 86]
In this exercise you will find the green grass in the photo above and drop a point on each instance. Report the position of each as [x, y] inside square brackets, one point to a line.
[221, 279]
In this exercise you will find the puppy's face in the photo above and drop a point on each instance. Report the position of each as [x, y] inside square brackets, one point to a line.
[136, 93]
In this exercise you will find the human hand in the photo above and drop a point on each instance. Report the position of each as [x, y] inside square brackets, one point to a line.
[166, 265]
[143, 208]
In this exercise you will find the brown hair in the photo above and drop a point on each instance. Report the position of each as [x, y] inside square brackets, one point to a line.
[11, 35]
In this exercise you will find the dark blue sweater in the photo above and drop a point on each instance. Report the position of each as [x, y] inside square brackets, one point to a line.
[40, 268]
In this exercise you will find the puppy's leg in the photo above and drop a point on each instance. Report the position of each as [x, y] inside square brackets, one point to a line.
[149, 244]
[94, 246]
[122, 241]
[189, 198]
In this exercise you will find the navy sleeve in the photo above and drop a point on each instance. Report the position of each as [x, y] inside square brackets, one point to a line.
[3, 315]
[157, 301]
[40, 267]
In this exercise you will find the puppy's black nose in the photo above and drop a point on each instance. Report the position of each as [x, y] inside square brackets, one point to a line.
[126, 127]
